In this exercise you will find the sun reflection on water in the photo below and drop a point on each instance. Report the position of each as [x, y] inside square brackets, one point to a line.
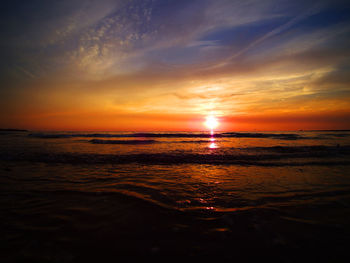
[212, 144]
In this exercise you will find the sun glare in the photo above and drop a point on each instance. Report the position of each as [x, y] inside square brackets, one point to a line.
[211, 122]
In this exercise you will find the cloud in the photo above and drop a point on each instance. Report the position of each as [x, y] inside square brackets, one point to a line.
[175, 57]
[339, 77]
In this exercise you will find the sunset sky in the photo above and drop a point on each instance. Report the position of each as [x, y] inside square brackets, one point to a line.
[166, 65]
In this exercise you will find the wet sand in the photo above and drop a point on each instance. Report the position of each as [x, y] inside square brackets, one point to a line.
[73, 227]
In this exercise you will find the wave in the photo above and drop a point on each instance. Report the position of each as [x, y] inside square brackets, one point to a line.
[195, 141]
[267, 156]
[97, 141]
[281, 136]
[336, 135]
[49, 136]
[309, 149]
[136, 142]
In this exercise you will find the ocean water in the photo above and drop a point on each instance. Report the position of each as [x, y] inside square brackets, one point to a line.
[101, 197]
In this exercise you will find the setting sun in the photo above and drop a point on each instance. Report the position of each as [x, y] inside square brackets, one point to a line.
[211, 122]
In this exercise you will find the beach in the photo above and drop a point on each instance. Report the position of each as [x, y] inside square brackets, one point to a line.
[244, 196]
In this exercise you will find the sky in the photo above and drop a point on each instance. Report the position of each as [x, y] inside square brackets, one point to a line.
[146, 65]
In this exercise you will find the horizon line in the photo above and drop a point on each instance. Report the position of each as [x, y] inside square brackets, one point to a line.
[145, 131]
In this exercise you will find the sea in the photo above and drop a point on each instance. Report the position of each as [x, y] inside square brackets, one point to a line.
[126, 196]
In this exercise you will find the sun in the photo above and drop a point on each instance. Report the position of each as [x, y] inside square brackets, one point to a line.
[211, 122]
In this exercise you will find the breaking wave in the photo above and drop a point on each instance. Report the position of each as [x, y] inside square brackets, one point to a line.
[97, 141]
[266, 156]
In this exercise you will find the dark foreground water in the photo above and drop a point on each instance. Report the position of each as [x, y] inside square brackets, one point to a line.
[243, 197]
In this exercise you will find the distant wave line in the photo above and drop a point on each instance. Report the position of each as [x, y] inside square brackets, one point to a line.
[282, 136]
[278, 156]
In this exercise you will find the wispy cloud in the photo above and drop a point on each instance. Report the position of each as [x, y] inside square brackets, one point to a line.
[179, 57]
